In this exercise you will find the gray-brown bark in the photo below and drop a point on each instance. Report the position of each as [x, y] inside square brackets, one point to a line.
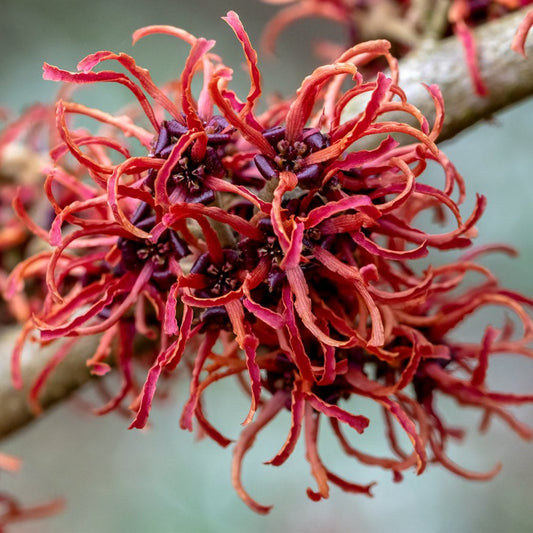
[507, 74]
[70, 374]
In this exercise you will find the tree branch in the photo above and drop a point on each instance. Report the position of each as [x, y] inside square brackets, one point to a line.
[507, 74]
[68, 376]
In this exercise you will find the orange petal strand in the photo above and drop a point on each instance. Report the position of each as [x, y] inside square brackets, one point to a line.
[519, 40]
[410, 429]
[318, 471]
[245, 442]
[297, 414]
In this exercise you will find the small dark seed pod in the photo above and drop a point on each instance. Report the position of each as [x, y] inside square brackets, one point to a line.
[310, 177]
[201, 264]
[265, 166]
[316, 141]
[163, 279]
[204, 196]
[212, 163]
[275, 277]
[162, 140]
[165, 152]
[143, 212]
[274, 135]
[178, 244]
[216, 124]
[175, 128]
[216, 318]
[265, 225]
[218, 138]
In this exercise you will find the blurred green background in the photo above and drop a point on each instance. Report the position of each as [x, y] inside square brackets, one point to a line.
[161, 480]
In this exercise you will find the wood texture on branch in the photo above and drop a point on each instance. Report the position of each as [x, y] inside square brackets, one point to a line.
[68, 376]
[507, 74]
[509, 77]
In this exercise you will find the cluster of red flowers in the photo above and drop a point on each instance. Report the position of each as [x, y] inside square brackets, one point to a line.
[405, 23]
[24, 145]
[280, 248]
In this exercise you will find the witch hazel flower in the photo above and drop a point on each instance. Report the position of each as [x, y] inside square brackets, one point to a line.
[117, 265]
[268, 246]
[421, 362]
[24, 144]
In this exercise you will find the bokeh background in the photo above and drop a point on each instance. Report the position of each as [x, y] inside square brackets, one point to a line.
[162, 480]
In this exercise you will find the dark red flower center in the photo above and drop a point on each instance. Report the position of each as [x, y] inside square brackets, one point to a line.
[186, 182]
[219, 278]
[136, 252]
[290, 156]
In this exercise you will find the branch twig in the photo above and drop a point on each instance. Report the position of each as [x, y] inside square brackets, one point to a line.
[68, 376]
[507, 74]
